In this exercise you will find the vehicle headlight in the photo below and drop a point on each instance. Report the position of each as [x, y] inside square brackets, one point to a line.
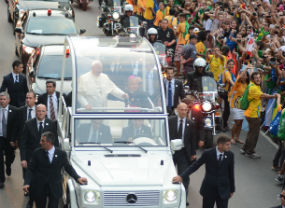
[206, 106]
[91, 196]
[208, 122]
[170, 196]
[116, 15]
[28, 49]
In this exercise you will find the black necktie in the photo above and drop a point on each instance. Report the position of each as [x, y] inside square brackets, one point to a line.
[220, 158]
[30, 114]
[41, 128]
[180, 129]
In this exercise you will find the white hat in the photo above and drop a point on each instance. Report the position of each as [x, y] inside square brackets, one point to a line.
[196, 30]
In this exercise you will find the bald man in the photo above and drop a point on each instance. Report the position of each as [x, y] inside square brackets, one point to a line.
[32, 131]
[94, 87]
[182, 128]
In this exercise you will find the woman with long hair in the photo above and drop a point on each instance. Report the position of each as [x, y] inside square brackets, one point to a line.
[234, 96]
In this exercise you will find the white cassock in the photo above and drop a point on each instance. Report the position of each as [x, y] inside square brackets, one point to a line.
[93, 90]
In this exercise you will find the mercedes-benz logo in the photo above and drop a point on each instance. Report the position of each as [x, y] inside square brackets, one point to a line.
[131, 198]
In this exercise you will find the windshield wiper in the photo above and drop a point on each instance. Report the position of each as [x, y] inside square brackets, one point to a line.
[128, 142]
[99, 144]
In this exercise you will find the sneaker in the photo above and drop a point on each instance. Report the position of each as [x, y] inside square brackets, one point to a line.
[242, 151]
[253, 156]
[279, 179]
[8, 171]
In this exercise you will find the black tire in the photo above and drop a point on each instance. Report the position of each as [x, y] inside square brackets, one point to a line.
[209, 139]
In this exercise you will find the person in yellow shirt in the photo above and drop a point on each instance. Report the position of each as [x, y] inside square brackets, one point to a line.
[252, 115]
[238, 114]
[172, 20]
[140, 7]
[149, 12]
[180, 34]
[160, 14]
[168, 7]
[217, 62]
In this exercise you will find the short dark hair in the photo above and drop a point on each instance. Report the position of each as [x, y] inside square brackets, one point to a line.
[49, 136]
[51, 82]
[222, 139]
[32, 92]
[16, 63]
[193, 37]
[253, 75]
[169, 68]
[172, 11]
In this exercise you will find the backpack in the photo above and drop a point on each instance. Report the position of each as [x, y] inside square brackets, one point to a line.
[243, 101]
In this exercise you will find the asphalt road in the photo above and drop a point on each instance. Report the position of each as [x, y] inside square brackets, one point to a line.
[254, 178]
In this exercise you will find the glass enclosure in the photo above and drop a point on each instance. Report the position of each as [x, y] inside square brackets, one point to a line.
[120, 132]
[209, 86]
[116, 75]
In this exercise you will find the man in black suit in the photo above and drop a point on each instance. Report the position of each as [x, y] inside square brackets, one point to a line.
[182, 128]
[96, 133]
[8, 137]
[135, 130]
[219, 183]
[16, 84]
[173, 90]
[50, 99]
[44, 178]
[32, 131]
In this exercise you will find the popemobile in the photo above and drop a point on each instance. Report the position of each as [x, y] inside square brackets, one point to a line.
[115, 130]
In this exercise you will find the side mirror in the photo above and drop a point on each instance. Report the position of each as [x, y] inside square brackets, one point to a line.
[18, 30]
[66, 144]
[176, 144]
[82, 31]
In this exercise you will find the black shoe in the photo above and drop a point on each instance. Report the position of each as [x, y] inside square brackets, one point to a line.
[187, 203]
[1, 185]
[8, 171]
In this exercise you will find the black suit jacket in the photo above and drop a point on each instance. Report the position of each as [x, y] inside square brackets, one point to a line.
[129, 132]
[42, 173]
[17, 91]
[104, 134]
[22, 118]
[178, 92]
[43, 99]
[189, 135]
[218, 177]
[12, 124]
[31, 137]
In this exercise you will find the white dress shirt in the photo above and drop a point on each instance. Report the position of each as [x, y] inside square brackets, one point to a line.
[218, 154]
[6, 117]
[50, 154]
[14, 77]
[54, 101]
[33, 112]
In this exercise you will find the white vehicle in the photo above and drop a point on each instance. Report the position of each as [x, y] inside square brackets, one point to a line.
[116, 132]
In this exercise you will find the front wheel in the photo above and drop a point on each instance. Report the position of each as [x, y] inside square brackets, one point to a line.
[209, 139]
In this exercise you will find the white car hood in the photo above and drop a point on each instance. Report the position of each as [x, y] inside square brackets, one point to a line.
[149, 169]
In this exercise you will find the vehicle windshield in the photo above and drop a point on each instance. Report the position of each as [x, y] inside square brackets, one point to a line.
[120, 132]
[55, 25]
[116, 76]
[209, 86]
[134, 21]
[159, 48]
[113, 3]
[50, 67]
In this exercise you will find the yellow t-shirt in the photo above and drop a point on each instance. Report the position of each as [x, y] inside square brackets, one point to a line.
[226, 79]
[200, 48]
[236, 93]
[172, 21]
[159, 16]
[149, 5]
[181, 33]
[254, 99]
[167, 10]
[216, 65]
[140, 7]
